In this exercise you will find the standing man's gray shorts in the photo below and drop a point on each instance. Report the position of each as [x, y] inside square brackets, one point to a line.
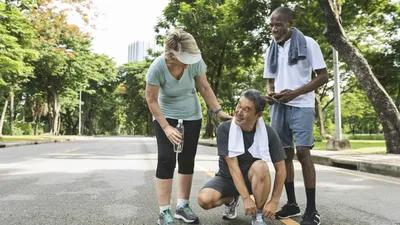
[289, 120]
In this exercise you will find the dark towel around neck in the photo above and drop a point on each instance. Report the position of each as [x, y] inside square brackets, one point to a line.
[297, 50]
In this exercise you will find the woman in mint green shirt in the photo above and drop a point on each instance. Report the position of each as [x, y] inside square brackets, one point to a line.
[171, 95]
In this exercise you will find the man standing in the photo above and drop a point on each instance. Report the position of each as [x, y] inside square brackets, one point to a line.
[243, 146]
[289, 63]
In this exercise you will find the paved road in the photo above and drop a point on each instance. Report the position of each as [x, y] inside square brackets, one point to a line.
[111, 181]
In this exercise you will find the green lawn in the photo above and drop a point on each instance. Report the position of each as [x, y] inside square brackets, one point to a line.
[7, 138]
[360, 146]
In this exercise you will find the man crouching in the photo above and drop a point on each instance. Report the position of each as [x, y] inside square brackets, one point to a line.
[244, 145]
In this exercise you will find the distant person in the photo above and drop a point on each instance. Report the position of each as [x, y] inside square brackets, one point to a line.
[243, 146]
[171, 95]
[289, 62]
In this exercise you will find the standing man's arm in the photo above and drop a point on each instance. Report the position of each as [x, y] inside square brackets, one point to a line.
[280, 176]
[238, 179]
[288, 95]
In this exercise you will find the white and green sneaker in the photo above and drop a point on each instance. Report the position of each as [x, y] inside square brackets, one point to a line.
[186, 214]
[165, 218]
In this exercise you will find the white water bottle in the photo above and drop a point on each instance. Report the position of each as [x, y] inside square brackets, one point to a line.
[179, 147]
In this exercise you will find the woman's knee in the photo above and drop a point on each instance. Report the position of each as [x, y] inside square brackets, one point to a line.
[186, 166]
[165, 168]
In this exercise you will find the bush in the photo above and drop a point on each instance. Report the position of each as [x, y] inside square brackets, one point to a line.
[6, 128]
[23, 129]
[317, 136]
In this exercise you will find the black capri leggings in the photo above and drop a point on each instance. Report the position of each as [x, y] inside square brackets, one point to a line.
[166, 155]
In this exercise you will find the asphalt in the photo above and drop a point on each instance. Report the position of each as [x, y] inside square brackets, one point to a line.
[383, 164]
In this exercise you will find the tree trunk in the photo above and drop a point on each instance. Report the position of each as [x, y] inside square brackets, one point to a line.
[37, 121]
[210, 131]
[320, 119]
[385, 108]
[37, 114]
[54, 111]
[3, 115]
[12, 113]
[398, 99]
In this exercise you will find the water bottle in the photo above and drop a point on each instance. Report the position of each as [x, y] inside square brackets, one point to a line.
[179, 147]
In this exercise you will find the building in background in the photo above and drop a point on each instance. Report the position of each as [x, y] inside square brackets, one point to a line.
[137, 50]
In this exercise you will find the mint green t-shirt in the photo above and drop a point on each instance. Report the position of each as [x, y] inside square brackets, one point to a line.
[177, 98]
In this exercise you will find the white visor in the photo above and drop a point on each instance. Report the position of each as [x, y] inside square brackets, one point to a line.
[188, 58]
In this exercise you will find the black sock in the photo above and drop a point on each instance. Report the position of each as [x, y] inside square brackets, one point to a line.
[310, 192]
[289, 186]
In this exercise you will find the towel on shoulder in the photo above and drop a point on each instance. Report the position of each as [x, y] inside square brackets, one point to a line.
[297, 50]
[260, 147]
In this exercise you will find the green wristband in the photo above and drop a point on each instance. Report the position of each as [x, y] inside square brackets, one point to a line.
[218, 110]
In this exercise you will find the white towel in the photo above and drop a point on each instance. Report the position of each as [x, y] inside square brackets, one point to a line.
[260, 147]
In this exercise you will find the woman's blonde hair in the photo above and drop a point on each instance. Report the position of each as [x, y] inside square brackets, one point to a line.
[179, 41]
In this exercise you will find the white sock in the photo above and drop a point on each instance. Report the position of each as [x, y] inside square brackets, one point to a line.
[165, 207]
[181, 202]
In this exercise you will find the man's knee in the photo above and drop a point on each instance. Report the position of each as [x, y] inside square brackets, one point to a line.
[289, 154]
[303, 154]
[259, 169]
[205, 198]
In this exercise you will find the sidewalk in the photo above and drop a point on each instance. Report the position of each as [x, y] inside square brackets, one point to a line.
[384, 164]
[22, 143]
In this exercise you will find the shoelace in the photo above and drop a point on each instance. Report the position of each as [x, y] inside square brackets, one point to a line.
[187, 208]
[168, 216]
[308, 215]
[228, 209]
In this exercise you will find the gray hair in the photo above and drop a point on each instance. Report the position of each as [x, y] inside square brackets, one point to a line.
[287, 13]
[179, 41]
[257, 97]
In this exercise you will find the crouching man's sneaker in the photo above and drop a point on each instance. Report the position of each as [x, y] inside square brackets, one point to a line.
[258, 220]
[165, 218]
[230, 210]
[311, 218]
[186, 214]
[288, 210]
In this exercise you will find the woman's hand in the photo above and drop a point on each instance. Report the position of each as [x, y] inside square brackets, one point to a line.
[173, 134]
[224, 116]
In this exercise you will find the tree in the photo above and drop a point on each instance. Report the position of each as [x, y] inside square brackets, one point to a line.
[133, 79]
[16, 54]
[64, 64]
[381, 101]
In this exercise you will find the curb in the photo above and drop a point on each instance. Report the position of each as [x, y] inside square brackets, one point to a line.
[341, 162]
[16, 144]
[369, 167]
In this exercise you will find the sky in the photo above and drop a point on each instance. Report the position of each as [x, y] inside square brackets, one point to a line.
[121, 22]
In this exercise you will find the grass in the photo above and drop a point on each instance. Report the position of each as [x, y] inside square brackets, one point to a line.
[360, 146]
[7, 138]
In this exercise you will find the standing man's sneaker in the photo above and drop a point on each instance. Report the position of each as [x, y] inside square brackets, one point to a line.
[288, 210]
[311, 218]
[165, 218]
[230, 210]
[258, 220]
[186, 214]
